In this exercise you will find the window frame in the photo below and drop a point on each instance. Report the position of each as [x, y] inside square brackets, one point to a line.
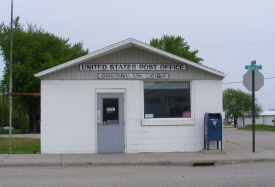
[169, 121]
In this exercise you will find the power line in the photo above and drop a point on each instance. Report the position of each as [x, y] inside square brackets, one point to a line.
[261, 97]
[242, 81]
[267, 94]
[55, 48]
[217, 44]
[52, 50]
[244, 44]
[232, 82]
[270, 78]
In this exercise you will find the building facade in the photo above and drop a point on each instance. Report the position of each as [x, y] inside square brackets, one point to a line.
[128, 97]
[265, 118]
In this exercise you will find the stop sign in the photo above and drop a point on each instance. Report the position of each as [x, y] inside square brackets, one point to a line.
[247, 80]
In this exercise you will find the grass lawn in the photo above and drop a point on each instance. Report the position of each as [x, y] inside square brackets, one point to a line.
[20, 145]
[15, 131]
[259, 127]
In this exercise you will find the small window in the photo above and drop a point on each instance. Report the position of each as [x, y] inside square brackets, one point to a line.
[167, 99]
[110, 111]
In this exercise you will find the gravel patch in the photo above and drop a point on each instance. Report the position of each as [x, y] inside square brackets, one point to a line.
[37, 136]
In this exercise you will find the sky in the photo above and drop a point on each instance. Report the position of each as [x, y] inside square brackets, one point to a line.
[229, 34]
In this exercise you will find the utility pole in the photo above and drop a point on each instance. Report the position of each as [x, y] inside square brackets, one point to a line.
[243, 111]
[3, 108]
[10, 83]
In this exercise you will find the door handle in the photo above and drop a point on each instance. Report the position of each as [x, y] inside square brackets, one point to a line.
[98, 117]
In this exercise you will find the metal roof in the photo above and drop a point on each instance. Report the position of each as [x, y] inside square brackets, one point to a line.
[123, 45]
[268, 113]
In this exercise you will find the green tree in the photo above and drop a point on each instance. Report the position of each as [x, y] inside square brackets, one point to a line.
[177, 46]
[19, 119]
[34, 50]
[233, 105]
[6, 111]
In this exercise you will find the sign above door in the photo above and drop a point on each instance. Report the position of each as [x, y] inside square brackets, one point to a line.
[133, 76]
[132, 67]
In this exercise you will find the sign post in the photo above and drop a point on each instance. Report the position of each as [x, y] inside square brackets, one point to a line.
[260, 83]
[253, 109]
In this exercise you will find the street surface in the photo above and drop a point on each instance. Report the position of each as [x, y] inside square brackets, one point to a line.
[227, 175]
[263, 139]
[245, 174]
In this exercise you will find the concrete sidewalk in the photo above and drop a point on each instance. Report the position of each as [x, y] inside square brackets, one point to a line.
[234, 153]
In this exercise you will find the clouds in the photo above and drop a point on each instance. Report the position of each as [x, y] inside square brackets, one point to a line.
[244, 30]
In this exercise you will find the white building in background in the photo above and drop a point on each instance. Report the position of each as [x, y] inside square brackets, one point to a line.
[265, 118]
[128, 97]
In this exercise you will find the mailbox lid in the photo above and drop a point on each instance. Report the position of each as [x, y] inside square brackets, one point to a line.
[214, 116]
[213, 126]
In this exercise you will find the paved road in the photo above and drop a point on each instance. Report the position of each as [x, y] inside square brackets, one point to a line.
[228, 175]
[263, 139]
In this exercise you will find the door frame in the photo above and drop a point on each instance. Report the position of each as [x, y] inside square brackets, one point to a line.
[111, 91]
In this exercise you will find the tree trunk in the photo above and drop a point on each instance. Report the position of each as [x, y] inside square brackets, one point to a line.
[235, 122]
[34, 117]
[34, 122]
[30, 122]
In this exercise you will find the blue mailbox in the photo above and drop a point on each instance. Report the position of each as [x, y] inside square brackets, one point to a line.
[212, 129]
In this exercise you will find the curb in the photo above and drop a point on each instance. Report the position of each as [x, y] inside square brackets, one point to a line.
[30, 165]
[165, 163]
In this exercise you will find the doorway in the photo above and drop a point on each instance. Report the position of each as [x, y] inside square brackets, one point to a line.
[110, 123]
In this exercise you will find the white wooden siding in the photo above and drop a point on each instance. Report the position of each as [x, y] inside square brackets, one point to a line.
[132, 55]
[68, 117]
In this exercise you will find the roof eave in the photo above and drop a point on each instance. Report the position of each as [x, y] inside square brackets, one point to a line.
[122, 45]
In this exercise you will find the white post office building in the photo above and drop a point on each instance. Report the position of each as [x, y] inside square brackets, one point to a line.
[127, 98]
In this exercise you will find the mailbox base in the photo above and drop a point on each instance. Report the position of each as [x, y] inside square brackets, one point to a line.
[206, 144]
[213, 151]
